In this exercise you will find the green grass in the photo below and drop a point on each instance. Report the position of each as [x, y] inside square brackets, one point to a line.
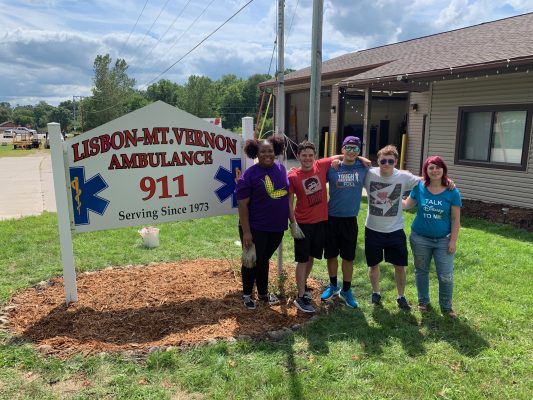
[365, 354]
[8, 151]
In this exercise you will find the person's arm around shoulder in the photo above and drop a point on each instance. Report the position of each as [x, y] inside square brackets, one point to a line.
[365, 161]
[408, 203]
[412, 180]
[412, 199]
[451, 184]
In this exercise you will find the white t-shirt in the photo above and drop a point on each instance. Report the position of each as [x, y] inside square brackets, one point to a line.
[385, 199]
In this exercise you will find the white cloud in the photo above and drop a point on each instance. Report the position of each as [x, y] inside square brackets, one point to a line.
[48, 47]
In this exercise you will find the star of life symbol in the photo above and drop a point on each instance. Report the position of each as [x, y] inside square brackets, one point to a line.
[229, 178]
[85, 195]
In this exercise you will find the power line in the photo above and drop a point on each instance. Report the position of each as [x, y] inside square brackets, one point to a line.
[272, 56]
[169, 28]
[132, 29]
[151, 26]
[292, 20]
[198, 45]
[190, 26]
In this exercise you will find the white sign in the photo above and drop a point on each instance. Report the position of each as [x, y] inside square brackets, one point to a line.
[156, 164]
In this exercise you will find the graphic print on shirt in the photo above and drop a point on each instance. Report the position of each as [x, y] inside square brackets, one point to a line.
[347, 179]
[273, 193]
[313, 190]
[433, 209]
[384, 199]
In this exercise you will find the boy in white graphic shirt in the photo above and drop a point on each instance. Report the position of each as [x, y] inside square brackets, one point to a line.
[384, 235]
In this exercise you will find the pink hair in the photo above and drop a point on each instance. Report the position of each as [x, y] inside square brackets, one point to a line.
[439, 162]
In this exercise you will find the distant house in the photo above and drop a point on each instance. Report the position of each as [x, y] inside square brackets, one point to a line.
[466, 95]
[7, 125]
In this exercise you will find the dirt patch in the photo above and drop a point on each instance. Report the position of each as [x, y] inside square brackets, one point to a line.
[145, 307]
[504, 214]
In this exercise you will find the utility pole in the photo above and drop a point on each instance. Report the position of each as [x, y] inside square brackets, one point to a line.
[280, 99]
[74, 110]
[316, 71]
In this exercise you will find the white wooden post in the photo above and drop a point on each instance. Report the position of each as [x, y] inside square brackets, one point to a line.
[62, 191]
[247, 133]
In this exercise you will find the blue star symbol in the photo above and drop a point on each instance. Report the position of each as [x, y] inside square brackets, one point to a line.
[229, 179]
[84, 195]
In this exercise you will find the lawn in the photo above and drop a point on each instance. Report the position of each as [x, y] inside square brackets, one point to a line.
[8, 151]
[358, 354]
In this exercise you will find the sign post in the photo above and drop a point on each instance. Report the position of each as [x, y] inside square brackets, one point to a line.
[61, 190]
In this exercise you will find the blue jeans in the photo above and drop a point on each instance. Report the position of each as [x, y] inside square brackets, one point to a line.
[424, 250]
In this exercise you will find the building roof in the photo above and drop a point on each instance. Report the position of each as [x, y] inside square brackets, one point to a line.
[506, 43]
[7, 124]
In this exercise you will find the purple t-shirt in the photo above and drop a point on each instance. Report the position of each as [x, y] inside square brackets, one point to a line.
[267, 189]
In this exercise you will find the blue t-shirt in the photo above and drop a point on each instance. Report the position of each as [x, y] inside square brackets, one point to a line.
[433, 215]
[345, 188]
[267, 189]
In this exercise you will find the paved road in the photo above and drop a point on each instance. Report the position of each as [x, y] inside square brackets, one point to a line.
[26, 186]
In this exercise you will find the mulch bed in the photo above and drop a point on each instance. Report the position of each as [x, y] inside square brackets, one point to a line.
[504, 214]
[145, 307]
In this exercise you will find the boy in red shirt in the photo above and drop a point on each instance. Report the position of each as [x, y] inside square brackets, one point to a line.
[308, 184]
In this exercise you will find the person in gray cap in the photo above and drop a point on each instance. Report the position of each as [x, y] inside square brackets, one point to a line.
[345, 189]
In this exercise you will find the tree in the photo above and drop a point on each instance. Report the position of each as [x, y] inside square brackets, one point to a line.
[136, 101]
[5, 112]
[232, 105]
[164, 90]
[63, 116]
[197, 98]
[23, 116]
[41, 113]
[112, 92]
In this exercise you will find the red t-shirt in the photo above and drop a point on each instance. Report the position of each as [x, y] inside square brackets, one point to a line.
[311, 193]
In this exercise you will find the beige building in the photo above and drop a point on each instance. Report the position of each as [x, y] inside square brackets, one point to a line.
[466, 95]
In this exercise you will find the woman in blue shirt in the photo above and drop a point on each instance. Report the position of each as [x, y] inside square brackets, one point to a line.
[434, 232]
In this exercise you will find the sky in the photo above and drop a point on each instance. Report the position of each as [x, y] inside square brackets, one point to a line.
[48, 47]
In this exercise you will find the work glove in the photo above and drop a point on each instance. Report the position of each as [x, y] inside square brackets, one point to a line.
[248, 256]
[296, 232]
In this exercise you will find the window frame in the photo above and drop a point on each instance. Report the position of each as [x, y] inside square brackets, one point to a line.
[460, 138]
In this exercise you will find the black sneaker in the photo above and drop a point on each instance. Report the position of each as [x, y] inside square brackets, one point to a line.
[403, 304]
[248, 302]
[307, 293]
[304, 305]
[376, 299]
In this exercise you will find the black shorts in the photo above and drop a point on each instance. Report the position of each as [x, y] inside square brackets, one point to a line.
[393, 244]
[313, 243]
[341, 238]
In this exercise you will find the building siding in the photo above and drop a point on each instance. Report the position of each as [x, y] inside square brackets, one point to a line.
[415, 129]
[479, 183]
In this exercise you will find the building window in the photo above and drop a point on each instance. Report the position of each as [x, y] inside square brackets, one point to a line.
[494, 136]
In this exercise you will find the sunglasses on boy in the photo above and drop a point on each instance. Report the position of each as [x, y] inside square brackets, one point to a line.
[355, 149]
[389, 161]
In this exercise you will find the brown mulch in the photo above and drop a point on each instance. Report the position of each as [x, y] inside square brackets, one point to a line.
[143, 307]
[515, 216]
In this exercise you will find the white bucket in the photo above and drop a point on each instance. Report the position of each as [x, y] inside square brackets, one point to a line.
[150, 236]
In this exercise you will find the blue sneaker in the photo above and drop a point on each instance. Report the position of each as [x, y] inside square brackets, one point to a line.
[348, 298]
[330, 292]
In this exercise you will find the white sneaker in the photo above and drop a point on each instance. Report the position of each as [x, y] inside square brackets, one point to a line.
[270, 298]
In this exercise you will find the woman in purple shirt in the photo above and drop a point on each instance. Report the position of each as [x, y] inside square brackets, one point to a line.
[263, 204]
